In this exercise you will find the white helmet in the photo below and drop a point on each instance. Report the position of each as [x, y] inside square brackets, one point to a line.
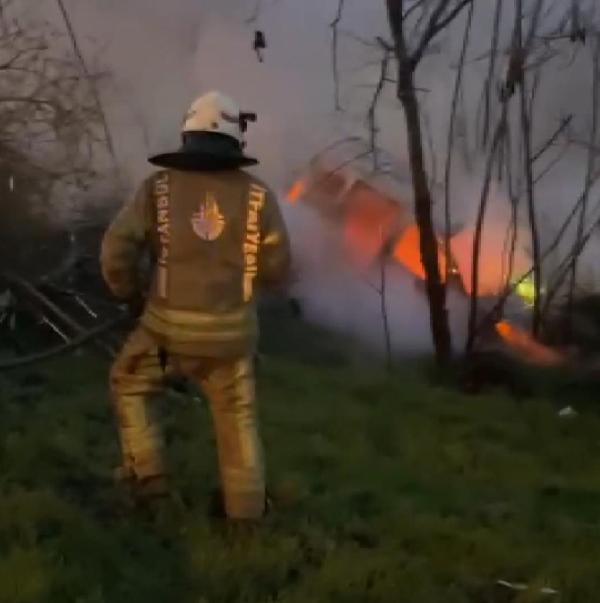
[214, 112]
[212, 136]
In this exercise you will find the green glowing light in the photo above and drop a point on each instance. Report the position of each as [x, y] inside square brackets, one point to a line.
[526, 291]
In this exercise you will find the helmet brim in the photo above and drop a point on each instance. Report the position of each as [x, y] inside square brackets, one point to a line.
[198, 161]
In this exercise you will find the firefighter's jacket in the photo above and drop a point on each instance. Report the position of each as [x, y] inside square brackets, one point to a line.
[213, 236]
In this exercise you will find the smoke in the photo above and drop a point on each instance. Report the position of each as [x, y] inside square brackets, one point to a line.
[162, 55]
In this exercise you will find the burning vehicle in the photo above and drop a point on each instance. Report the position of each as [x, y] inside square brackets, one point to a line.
[373, 212]
[368, 201]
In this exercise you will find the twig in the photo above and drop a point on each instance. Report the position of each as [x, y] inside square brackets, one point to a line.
[415, 6]
[552, 163]
[66, 347]
[491, 71]
[354, 36]
[337, 168]
[549, 250]
[567, 264]
[381, 291]
[372, 113]
[436, 25]
[512, 231]
[535, 242]
[77, 50]
[564, 124]
[55, 328]
[334, 53]
[450, 145]
[50, 306]
[591, 162]
[384, 314]
[533, 25]
[433, 172]
[478, 235]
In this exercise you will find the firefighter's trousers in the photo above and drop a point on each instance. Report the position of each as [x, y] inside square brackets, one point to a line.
[227, 384]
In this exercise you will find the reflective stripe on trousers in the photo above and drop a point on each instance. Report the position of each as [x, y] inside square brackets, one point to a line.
[228, 385]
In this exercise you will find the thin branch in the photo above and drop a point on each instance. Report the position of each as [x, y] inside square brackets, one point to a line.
[410, 10]
[384, 314]
[435, 26]
[586, 145]
[354, 36]
[564, 124]
[478, 235]
[450, 145]
[381, 291]
[567, 263]
[512, 231]
[77, 50]
[533, 25]
[372, 113]
[431, 147]
[74, 343]
[535, 88]
[591, 162]
[335, 170]
[547, 252]
[552, 164]
[491, 71]
[535, 243]
[334, 53]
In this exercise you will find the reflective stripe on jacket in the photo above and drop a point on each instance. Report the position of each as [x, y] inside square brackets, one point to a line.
[214, 236]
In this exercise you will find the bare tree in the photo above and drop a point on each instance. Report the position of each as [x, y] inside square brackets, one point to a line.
[52, 135]
[45, 103]
[443, 13]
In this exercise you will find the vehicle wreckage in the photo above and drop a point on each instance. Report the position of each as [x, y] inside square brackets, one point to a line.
[369, 203]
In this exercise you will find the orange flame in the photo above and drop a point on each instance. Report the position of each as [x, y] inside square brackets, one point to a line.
[525, 345]
[368, 222]
[407, 252]
[296, 191]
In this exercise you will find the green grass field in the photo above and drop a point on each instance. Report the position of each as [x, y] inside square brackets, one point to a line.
[387, 490]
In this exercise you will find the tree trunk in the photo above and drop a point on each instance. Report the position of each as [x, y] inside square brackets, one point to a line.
[436, 292]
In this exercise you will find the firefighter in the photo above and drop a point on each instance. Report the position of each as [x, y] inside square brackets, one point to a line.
[215, 233]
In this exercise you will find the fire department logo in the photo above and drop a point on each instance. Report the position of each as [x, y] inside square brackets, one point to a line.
[208, 222]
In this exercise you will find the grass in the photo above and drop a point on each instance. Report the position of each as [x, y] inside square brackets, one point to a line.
[388, 490]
